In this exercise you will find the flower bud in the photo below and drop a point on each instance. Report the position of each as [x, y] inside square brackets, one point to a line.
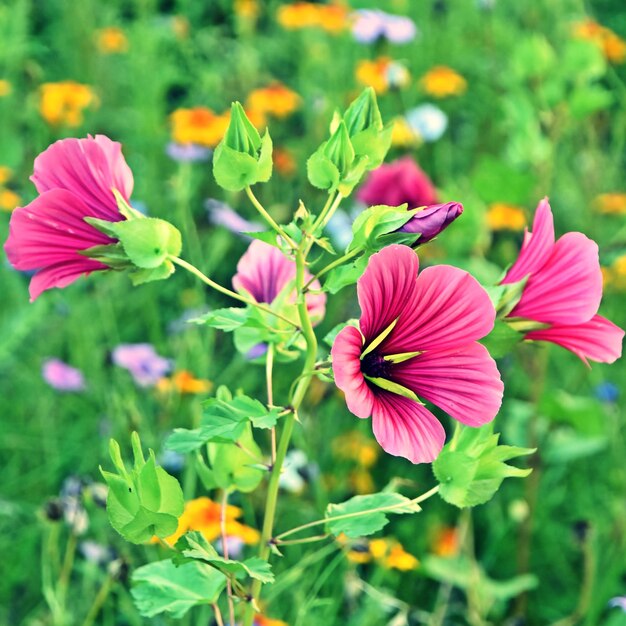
[243, 157]
[363, 113]
[432, 220]
[339, 150]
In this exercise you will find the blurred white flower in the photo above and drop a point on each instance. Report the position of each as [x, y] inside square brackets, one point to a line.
[428, 121]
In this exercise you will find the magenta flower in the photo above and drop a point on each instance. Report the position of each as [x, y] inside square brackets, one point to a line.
[61, 376]
[432, 220]
[563, 291]
[417, 339]
[74, 178]
[264, 272]
[398, 183]
[145, 365]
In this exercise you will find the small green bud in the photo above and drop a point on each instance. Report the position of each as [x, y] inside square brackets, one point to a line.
[363, 113]
[243, 157]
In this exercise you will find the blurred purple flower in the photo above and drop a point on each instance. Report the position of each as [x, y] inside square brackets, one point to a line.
[96, 553]
[428, 121]
[187, 152]
[396, 183]
[142, 361]
[618, 602]
[371, 25]
[431, 220]
[62, 377]
[235, 547]
[221, 214]
[256, 352]
[607, 392]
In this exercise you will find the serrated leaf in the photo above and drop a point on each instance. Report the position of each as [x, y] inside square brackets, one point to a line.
[345, 275]
[162, 587]
[364, 515]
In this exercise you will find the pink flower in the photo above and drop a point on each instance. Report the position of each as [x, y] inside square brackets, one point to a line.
[398, 183]
[74, 178]
[264, 271]
[61, 376]
[143, 362]
[417, 338]
[563, 291]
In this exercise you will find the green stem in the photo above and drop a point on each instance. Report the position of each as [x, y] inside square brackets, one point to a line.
[229, 587]
[297, 529]
[333, 265]
[283, 445]
[228, 292]
[99, 600]
[322, 215]
[269, 219]
[269, 365]
[293, 542]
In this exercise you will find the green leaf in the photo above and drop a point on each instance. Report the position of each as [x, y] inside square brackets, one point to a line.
[148, 242]
[193, 545]
[501, 340]
[141, 276]
[589, 99]
[162, 587]
[345, 275]
[329, 338]
[471, 468]
[227, 319]
[321, 171]
[369, 227]
[364, 515]
[145, 501]
[233, 170]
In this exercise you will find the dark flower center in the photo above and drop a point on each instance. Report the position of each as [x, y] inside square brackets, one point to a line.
[374, 366]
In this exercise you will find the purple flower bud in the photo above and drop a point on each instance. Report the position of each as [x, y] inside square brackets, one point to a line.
[431, 220]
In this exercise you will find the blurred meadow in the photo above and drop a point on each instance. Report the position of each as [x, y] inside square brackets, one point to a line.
[500, 103]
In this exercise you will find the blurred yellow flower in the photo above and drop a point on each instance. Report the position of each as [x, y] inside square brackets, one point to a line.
[446, 542]
[112, 40]
[180, 26]
[442, 81]
[199, 125]
[361, 481]
[332, 18]
[5, 87]
[5, 174]
[374, 74]
[275, 99]
[8, 199]
[203, 515]
[65, 101]
[502, 216]
[355, 446]
[184, 382]
[387, 552]
[403, 135]
[248, 9]
[612, 45]
[285, 164]
[611, 203]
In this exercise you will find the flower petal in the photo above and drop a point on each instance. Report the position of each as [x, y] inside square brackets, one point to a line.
[386, 288]
[264, 271]
[89, 168]
[568, 287]
[464, 382]
[598, 339]
[61, 275]
[406, 428]
[346, 357]
[447, 308]
[537, 245]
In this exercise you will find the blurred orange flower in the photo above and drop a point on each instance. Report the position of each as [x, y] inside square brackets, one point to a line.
[442, 81]
[260, 620]
[502, 216]
[403, 135]
[611, 203]
[387, 552]
[275, 99]
[199, 125]
[612, 45]
[446, 542]
[112, 40]
[5, 174]
[5, 87]
[180, 26]
[374, 73]
[284, 162]
[203, 515]
[332, 18]
[355, 446]
[65, 101]
[184, 382]
[248, 9]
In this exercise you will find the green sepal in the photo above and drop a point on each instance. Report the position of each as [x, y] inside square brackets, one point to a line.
[241, 135]
[145, 501]
[471, 468]
[371, 226]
